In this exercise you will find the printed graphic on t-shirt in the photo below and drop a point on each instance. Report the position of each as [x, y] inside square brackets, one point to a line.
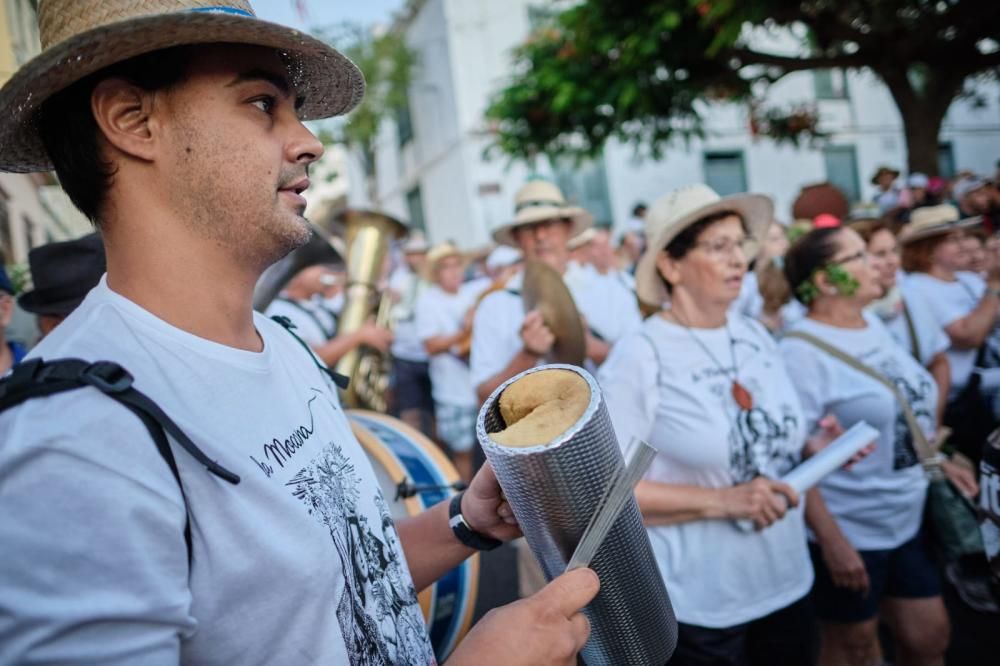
[378, 613]
[760, 438]
[916, 391]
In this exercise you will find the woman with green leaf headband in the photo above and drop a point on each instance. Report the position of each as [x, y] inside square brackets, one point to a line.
[868, 550]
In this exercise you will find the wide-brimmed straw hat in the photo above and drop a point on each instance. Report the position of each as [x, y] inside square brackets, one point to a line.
[935, 220]
[673, 213]
[881, 170]
[538, 201]
[80, 37]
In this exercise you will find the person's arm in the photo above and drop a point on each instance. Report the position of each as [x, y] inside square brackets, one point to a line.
[847, 569]
[95, 566]
[971, 331]
[432, 549]
[940, 370]
[764, 501]
[369, 334]
[440, 344]
[537, 340]
[597, 349]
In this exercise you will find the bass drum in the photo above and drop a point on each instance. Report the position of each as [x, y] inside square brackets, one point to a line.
[401, 455]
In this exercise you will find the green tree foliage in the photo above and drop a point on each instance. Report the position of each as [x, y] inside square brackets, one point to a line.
[636, 70]
[388, 65]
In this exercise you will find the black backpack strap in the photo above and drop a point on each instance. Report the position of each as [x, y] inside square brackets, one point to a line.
[312, 315]
[340, 380]
[37, 378]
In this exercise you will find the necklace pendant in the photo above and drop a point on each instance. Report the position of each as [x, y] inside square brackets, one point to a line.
[742, 396]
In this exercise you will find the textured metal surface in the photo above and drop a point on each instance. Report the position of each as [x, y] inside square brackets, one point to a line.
[553, 489]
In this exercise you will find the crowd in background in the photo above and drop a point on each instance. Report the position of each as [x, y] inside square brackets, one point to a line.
[701, 319]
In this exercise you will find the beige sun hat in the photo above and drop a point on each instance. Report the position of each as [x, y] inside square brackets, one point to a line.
[540, 200]
[80, 37]
[673, 213]
[582, 238]
[934, 220]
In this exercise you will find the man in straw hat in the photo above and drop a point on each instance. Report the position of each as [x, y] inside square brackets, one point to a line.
[176, 125]
[443, 323]
[505, 339]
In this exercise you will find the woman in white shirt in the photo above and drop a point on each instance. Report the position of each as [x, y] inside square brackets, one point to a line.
[869, 552]
[707, 388]
[905, 313]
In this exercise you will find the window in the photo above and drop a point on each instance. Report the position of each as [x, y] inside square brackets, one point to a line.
[540, 15]
[6, 237]
[415, 206]
[830, 83]
[842, 170]
[404, 125]
[725, 172]
[946, 160]
[29, 231]
[586, 185]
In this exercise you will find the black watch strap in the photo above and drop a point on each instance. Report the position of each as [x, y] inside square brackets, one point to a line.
[463, 532]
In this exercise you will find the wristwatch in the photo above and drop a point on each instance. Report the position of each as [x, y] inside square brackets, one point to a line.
[463, 532]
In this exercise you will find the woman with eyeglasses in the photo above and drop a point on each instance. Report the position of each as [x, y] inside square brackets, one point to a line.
[868, 549]
[707, 388]
[904, 313]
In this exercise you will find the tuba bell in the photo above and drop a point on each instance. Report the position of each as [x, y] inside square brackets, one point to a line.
[367, 235]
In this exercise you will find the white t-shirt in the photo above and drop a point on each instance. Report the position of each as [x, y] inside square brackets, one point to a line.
[298, 563]
[948, 302]
[749, 303]
[441, 313]
[313, 322]
[931, 337]
[679, 400]
[879, 502]
[496, 339]
[406, 343]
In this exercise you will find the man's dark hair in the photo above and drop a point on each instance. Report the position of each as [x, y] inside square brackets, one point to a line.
[809, 254]
[69, 131]
[639, 209]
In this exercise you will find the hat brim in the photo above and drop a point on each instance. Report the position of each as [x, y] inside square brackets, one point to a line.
[874, 180]
[329, 83]
[581, 220]
[938, 229]
[757, 212]
[39, 302]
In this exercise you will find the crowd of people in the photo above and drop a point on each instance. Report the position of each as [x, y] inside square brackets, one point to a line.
[736, 345]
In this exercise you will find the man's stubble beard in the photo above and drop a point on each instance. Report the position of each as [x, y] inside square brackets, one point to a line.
[220, 206]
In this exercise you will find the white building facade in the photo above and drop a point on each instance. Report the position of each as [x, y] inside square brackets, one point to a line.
[431, 169]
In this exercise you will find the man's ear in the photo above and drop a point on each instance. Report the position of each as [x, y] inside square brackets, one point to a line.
[667, 267]
[123, 112]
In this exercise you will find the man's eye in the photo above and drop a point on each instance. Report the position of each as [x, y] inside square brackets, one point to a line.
[265, 104]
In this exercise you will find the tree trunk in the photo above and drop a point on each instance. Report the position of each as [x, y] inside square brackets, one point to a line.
[923, 114]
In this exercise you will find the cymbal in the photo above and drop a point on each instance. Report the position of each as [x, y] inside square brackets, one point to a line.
[544, 290]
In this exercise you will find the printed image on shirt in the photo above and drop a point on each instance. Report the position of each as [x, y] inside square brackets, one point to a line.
[759, 443]
[916, 394]
[378, 613]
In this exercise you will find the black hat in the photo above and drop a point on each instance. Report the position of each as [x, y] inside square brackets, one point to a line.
[62, 274]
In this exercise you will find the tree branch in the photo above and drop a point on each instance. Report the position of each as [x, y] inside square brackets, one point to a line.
[796, 64]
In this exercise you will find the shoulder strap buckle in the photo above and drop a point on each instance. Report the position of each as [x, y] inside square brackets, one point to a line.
[107, 377]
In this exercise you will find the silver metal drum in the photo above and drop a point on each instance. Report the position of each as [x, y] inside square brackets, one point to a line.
[553, 490]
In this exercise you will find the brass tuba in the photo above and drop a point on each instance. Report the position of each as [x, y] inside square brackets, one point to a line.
[367, 235]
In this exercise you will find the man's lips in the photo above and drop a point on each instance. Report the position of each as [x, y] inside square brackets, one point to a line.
[294, 191]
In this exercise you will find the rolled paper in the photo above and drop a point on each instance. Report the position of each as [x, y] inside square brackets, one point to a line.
[555, 486]
[834, 456]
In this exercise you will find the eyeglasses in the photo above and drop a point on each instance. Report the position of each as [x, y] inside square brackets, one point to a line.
[725, 247]
[862, 255]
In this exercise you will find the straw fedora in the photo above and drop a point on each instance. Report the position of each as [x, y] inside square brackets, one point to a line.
[673, 213]
[881, 170]
[934, 220]
[537, 201]
[80, 37]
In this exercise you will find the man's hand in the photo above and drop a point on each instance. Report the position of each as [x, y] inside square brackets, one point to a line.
[375, 336]
[847, 569]
[535, 335]
[545, 628]
[962, 478]
[485, 509]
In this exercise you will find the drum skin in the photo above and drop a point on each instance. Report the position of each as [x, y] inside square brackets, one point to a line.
[397, 452]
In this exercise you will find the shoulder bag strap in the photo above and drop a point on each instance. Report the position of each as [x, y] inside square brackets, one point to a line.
[911, 331]
[928, 457]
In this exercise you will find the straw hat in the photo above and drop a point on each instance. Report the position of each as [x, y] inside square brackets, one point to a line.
[673, 213]
[537, 201]
[80, 37]
[881, 170]
[442, 251]
[502, 257]
[934, 220]
[416, 243]
[582, 238]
